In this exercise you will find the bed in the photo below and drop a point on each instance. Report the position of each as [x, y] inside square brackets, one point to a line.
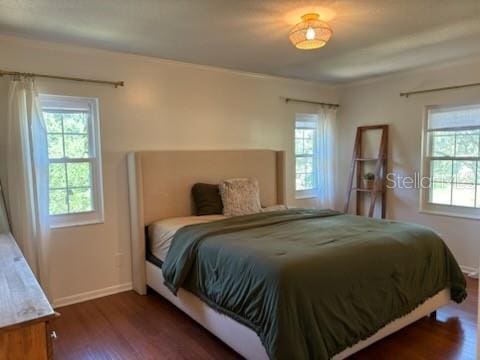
[160, 183]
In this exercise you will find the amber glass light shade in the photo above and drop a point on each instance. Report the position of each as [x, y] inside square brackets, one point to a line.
[311, 33]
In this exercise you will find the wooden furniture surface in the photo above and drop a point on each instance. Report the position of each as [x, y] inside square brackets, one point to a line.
[24, 309]
[357, 171]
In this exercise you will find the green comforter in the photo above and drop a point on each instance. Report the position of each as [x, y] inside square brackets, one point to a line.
[311, 283]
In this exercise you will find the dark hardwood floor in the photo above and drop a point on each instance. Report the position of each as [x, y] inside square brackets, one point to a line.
[130, 326]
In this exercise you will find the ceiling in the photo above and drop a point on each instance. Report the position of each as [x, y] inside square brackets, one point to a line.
[370, 37]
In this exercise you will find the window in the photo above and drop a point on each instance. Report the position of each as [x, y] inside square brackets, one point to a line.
[306, 155]
[451, 149]
[75, 178]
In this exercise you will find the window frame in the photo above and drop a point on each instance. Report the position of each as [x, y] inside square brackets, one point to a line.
[96, 215]
[425, 205]
[307, 193]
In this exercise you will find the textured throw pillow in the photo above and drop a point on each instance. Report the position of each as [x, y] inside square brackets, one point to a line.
[240, 196]
[207, 199]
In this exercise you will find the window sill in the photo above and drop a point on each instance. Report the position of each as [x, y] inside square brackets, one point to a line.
[305, 197]
[76, 224]
[449, 214]
[93, 219]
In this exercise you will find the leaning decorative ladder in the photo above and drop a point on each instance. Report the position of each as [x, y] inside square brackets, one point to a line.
[380, 172]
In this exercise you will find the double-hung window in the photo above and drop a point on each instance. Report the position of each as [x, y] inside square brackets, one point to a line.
[75, 172]
[451, 161]
[306, 182]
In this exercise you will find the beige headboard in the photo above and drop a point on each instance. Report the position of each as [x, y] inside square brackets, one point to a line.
[160, 185]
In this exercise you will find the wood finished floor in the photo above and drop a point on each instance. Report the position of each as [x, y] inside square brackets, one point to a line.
[130, 326]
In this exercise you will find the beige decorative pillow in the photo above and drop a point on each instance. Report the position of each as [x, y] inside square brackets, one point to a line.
[240, 196]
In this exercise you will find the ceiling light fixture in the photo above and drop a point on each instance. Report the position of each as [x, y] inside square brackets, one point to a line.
[311, 33]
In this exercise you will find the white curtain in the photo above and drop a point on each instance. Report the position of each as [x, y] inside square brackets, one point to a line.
[27, 175]
[326, 146]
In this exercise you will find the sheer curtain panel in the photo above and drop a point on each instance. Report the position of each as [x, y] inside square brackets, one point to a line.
[327, 138]
[26, 188]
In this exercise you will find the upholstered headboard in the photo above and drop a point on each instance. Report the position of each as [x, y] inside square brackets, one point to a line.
[160, 185]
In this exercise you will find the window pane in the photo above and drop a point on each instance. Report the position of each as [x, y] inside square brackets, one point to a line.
[308, 165]
[298, 134]
[443, 143]
[53, 121]
[308, 134]
[298, 147]
[300, 165]
[304, 165]
[308, 147]
[76, 146]
[79, 174]
[467, 143]
[463, 195]
[75, 123]
[440, 193]
[441, 170]
[309, 181]
[300, 182]
[55, 146]
[80, 200]
[58, 202]
[56, 177]
[464, 171]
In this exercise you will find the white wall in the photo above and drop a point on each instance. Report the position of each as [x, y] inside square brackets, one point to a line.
[164, 105]
[378, 102]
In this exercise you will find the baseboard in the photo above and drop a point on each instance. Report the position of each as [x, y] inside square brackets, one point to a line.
[89, 295]
[470, 271]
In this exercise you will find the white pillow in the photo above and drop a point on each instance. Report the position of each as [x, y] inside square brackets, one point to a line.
[240, 196]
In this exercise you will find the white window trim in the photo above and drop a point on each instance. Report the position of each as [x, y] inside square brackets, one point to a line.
[425, 206]
[310, 193]
[95, 216]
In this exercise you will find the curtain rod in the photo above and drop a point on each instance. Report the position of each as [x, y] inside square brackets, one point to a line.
[287, 100]
[16, 73]
[408, 93]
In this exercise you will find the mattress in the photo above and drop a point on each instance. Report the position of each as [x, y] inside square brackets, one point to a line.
[161, 233]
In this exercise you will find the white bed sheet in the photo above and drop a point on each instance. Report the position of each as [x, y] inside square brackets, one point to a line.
[160, 233]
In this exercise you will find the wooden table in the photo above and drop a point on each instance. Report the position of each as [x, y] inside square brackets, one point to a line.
[24, 309]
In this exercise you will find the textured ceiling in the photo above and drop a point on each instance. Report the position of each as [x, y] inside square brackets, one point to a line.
[371, 37]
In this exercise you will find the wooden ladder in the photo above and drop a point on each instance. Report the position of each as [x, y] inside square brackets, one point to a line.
[379, 185]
